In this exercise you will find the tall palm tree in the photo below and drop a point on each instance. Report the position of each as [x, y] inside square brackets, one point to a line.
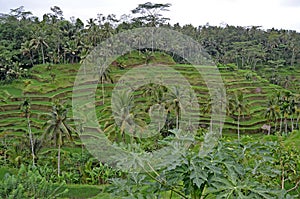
[58, 128]
[104, 76]
[123, 103]
[238, 105]
[297, 113]
[93, 32]
[154, 92]
[39, 41]
[219, 101]
[279, 101]
[292, 111]
[207, 110]
[285, 111]
[26, 49]
[175, 99]
[26, 108]
[272, 113]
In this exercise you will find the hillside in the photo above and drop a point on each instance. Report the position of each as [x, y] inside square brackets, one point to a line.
[56, 83]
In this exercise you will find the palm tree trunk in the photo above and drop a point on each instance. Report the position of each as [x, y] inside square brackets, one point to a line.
[269, 130]
[30, 56]
[43, 56]
[220, 128]
[292, 121]
[102, 89]
[177, 116]
[280, 124]
[220, 123]
[238, 127]
[58, 161]
[285, 123]
[177, 121]
[31, 140]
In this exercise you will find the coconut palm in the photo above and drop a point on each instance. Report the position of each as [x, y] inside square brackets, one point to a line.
[104, 76]
[26, 49]
[219, 101]
[207, 110]
[58, 128]
[272, 113]
[25, 108]
[175, 99]
[123, 103]
[238, 105]
[285, 110]
[297, 113]
[39, 42]
[154, 92]
[292, 111]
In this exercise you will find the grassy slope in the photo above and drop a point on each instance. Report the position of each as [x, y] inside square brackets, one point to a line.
[42, 91]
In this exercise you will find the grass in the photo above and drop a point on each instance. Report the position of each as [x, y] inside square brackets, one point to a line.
[76, 191]
[5, 170]
[43, 91]
[293, 140]
[42, 86]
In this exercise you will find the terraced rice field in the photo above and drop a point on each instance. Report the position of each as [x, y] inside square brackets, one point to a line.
[42, 91]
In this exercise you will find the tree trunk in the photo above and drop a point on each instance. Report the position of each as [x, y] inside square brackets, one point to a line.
[220, 121]
[285, 123]
[292, 121]
[269, 130]
[102, 89]
[254, 65]
[30, 56]
[31, 140]
[220, 128]
[177, 121]
[177, 116]
[238, 127]
[211, 126]
[280, 124]
[293, 57]
[43, 56]
[58, 52]
[58, 161]
[152, 40]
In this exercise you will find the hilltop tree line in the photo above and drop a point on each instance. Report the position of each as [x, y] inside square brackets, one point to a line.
[26, 40]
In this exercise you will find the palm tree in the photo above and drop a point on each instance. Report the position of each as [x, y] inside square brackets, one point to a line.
[285, 109]
[39, 42]
[26, 50]
[279, 100]
[104, 77]
[297, 113]
[207, 110]
[25, 108]
[272, 113]
[175, 99]
[219, 100]
[239, 105]
[93, 32]
[292, 111]
[154, 92]
[57, 126]
[123, 103]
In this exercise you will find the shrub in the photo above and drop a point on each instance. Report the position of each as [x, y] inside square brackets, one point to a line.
[28, 183]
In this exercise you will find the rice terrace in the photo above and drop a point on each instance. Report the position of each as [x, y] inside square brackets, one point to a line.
[247, 147]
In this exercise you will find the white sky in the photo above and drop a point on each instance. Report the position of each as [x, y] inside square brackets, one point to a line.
[266, 13]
